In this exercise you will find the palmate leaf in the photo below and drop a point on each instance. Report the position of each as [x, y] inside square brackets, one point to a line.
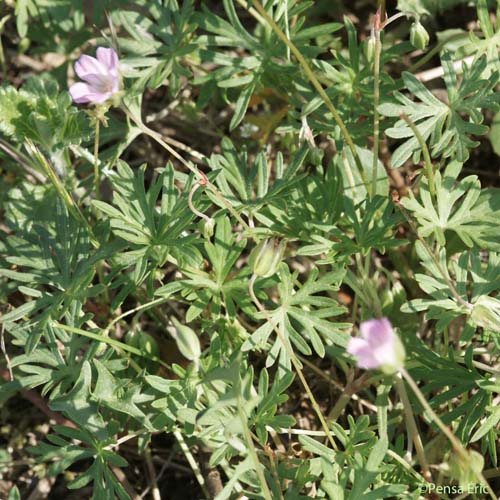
[239, 76]
[473, 278]
[447, 380]
[301, 317]
[249, 186]
[221, 285]
[152, 233]
[162, 35]
[55, 265]
[69, 446]
[442, 124]
[460, 206]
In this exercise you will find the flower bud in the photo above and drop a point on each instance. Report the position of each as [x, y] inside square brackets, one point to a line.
[465, 469]
[419, 37]
[187, 341]
[266, 256]
[148, 346]
[370, 48]
[143, 341]
[208, 228]
[486, 313]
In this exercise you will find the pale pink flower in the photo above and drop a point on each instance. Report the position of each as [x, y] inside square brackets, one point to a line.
[100, 75]
[378, 346]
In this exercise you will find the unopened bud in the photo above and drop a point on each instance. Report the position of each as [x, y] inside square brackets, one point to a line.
[208, 228]
[143, 341]
[486, 313]
[466, 468]
[370, 47]
[266, 257]
[306, 134]
[419, 37]
[187, 341]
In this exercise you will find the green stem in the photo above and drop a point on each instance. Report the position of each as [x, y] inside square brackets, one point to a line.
[425, 151]
[295, 363]
[192, 462]
[110, 341]
[455, 442]
[312, 77]
[376, 116]
[253, 452]
[413, 434]
[96, 160]
[73, 209]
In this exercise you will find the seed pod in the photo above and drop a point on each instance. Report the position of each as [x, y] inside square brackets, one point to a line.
[266, 257]
[419, 37]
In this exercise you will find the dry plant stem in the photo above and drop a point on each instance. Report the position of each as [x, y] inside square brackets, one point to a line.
[432, 74]
[425, 151]
[3, 62]
[312, 77]
[147, 305]
[22, 160]
[159, 139]
[455, 442]
[295, 363]
[413, 434]
[192, 463]
[435, 260]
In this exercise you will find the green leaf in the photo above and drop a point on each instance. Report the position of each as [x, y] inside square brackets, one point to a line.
[441, 124]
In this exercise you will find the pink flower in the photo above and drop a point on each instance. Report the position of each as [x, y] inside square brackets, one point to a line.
[378, 346]
[101, 77]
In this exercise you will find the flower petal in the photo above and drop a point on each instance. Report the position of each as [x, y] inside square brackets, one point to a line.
[356, 344]
[83, 93]
[377, 331]
[109, 59]
[363, 352]
[88, 65]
